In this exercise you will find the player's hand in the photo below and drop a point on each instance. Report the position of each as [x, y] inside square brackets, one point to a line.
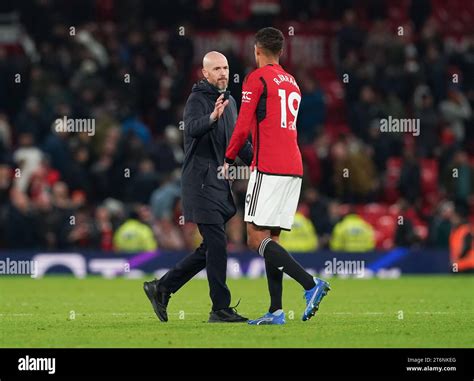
[219, 107]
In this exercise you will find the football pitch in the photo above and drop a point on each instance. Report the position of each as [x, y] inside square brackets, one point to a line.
[60, 311]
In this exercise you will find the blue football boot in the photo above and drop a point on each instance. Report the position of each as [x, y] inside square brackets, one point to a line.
[314, 297]
[269, 319]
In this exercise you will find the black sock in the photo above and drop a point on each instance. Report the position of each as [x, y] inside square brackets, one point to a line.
[275, 286]
[281, 259]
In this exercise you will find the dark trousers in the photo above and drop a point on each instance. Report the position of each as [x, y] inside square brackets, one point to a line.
[212, 255]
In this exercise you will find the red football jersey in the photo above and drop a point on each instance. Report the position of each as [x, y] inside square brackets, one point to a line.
[270, 101]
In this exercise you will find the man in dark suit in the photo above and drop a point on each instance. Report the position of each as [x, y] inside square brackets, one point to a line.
[209, 121]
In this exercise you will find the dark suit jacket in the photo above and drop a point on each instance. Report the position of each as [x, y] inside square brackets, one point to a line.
[207, 199]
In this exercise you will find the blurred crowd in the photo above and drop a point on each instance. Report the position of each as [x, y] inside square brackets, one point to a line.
[125, 65]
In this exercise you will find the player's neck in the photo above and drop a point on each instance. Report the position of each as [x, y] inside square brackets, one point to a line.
[264, 61]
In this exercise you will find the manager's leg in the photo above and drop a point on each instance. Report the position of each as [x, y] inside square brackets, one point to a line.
[184, 270]
[159, 291]
[216, 264]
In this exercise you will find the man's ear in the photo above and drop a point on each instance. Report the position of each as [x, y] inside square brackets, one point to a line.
[204, 73]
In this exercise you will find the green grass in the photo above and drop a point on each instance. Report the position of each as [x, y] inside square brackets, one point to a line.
[438, 311]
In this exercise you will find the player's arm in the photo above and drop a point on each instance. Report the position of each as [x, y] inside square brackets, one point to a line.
[251, 92]
[246, 152]
[196, 121]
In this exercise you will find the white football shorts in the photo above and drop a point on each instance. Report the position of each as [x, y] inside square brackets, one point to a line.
[271, 200]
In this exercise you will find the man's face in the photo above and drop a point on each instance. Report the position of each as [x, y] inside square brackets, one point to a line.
[217, 72]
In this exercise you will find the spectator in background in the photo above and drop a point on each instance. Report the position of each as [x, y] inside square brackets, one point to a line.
[405, 235]
[134, 236]
[321, 212]
[314, 157]
[383, 146]
[163, 198]
[352, 235]
[168, 235]
[142, 184]
[302, 238]
[61, 200]
[28, 158]
[132, 125]
[20, 223]
[50, 221]
[77, 176]
[420, 10]
[350, 36]
[456, 110]
[434, 68]
[5, 136]
[365, 112]
[354, 176]
[458, 178]
[440, 225]
[409, 183]
[461, 241]
[429, 120]
[32, 120]
[103, 229]
[77, 231]
[167, 154]
[56, 146]
[105, 171]
[42, 179]
[6, 177]
[311, 113]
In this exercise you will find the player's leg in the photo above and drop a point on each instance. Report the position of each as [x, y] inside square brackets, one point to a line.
[159, 291]
[267, 207]
[274, 279]
[276, 255]
[275, 314]
[272, 202]
[259, 239]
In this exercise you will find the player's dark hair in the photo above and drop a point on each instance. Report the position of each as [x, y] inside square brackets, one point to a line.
[270, 39]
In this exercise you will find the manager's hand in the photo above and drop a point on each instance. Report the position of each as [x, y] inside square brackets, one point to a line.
[219, 107]
[225, 172]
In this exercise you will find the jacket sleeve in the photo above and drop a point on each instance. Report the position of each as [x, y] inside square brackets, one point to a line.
[196, 120]
[246, 152]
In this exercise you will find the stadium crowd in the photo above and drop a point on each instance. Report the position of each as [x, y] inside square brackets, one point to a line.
[126, 67]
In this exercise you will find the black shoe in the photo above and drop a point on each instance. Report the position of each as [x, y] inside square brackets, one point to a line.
[226, 315]
[158, 297]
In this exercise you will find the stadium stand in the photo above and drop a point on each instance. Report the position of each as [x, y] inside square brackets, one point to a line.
[90, 60]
